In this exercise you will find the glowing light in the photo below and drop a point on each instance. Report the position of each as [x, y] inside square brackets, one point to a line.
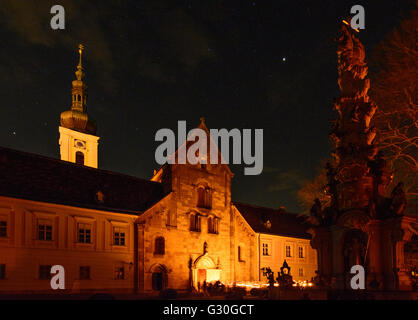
[345, 22]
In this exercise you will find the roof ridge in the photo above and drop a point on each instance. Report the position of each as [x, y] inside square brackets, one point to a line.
[71, 164]
[262, 207]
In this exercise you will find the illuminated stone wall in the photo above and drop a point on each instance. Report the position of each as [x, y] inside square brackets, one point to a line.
[23, 253]
[183, 246]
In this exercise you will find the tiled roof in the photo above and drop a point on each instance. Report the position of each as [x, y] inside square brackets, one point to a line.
[34, 177]
[281, 222]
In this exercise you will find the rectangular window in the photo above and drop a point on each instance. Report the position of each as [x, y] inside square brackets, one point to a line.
[171, 218]
[84, 233]
[84, 273]
[2, 271]
[3, 229]
[240, 254]
[300, 272]
[44, 230]
[266, 251]
[288, 252]
[120, 273]
[44, 272]
[300, 252]
[118, 236]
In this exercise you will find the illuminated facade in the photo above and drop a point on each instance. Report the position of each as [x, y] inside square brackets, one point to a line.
[118, 233]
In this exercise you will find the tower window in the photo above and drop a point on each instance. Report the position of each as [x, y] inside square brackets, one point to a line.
[213, 225]
[204, 198]
[195, 222]
[159, 247]
[79, 157]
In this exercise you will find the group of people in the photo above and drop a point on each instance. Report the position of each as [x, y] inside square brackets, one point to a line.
[210, 288]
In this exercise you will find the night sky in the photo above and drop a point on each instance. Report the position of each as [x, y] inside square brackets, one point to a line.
[240, 64]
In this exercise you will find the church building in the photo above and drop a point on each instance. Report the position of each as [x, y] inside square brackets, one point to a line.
[117, 233]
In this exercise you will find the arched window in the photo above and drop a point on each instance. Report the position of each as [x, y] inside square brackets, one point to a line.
[240, 254]
[79, 157]
[201, 197]
[171, 218]
[210, 225]
[159, 247]
[213, 225]
[204, 197]
[195, 222]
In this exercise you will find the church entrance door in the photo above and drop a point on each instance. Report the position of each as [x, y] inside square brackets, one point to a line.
[157, 281]
[201, 275]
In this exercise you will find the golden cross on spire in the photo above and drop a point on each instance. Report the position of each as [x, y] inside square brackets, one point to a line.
[80, 51]
[79, 73]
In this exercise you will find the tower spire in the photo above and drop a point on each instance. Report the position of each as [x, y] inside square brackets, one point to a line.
[77, 118]
[78, 140]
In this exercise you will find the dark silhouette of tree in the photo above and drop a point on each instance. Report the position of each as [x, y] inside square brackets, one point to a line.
[315, 188]
[394, 88]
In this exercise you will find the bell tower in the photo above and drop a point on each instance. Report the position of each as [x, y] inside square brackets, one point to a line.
[78, 141]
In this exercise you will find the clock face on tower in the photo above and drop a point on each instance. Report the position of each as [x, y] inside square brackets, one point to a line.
[79, 144]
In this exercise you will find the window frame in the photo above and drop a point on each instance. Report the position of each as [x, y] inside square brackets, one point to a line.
[301, 252]
[119, 243]
[195, 222]
[265, 246]
[204, 200]
[288, 253]
[241, 254]
[41, 269]
[3, 228]
[85, 233]
[80, 273]
[44, 224]
[120, 270]
[159, 246]
[301, 272]
[2, 271]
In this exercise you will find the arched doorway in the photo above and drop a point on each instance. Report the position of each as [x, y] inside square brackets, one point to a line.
[79, 157]
[159, 277]
[205, 270]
